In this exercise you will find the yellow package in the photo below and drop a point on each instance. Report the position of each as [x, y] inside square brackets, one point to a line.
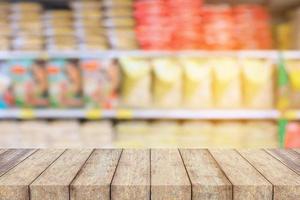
[258, 83]
[227, 87]
[167, 87]
[136, 86]
[284, 35]
[197, 84]
[293, 68]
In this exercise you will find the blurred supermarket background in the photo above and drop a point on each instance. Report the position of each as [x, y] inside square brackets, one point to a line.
[150, 73]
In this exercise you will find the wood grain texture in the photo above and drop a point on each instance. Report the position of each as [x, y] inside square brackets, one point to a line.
[297, 150]
[132, 177]
[285, 181]
[208, 181]
[288, 157]
[14, 184]
[94, 179]
[54, 182]
[248, 183]
[12, 157]
[169, 179]
[2, 150]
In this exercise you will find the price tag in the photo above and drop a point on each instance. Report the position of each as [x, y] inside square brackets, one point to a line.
[124, 114]
[27, 114]
[94, 114]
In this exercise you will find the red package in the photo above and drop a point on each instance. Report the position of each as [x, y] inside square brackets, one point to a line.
[292, 138]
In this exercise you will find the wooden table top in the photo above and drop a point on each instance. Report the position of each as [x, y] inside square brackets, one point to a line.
[159, 174]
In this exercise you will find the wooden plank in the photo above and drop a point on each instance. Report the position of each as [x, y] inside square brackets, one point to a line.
[14, 184]
[169, 179]
[2, 150]
[132, 177]
[285, 181]
[208, 181]
[94, 179]
[247, 182]
[13, 157]
[54, 182]
[297, 150]
[288, 157]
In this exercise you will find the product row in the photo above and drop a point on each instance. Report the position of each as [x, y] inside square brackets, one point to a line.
[292, 136]
[288, 30]
[95, 134]
[129, 24]
[147, 83]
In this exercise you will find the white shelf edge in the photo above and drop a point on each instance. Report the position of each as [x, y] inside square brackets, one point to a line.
[272, 54]
[142, 114]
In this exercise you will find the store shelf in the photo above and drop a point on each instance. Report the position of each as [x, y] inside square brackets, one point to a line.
[272, 54]
[137, 114]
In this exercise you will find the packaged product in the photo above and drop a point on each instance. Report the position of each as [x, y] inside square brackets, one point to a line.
[90, 34]
[30, 85]
[167, 89]
[85, 5]
[65, 87]
[100, 83]
[153, 26]
[6, 93]
[296, 29]
[284, 36]
[227, 87]
[20, 73]
[117, 3]
[197, 84]
[119, 22]
[28, 43]
[293, 69]
[136, 82]
[122, 38]
[252, 27]
[58, 14]
[62, 42]
[218, 26]
[118, 12]
[92, 40]
[26, 7]
[258, 83]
